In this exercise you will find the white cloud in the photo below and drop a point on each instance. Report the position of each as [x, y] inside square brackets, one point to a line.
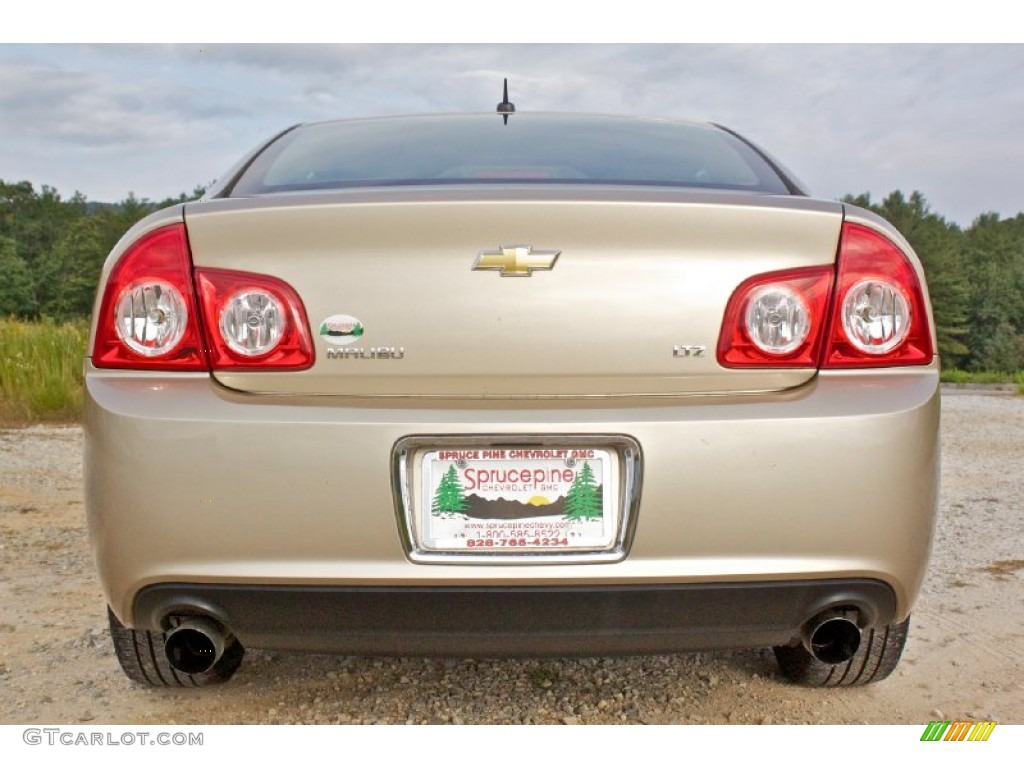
[159, 119]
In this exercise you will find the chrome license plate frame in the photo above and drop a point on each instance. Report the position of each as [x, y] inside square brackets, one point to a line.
[516, 499]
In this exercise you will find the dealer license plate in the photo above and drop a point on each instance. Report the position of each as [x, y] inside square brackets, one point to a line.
[518, 499]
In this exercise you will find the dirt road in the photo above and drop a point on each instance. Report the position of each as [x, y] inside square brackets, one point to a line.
[963, 659]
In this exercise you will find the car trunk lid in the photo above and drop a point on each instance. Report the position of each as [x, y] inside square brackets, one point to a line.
[514, 291]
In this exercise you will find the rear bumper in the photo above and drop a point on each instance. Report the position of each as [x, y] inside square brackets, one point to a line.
[190, 483]
[502, 621]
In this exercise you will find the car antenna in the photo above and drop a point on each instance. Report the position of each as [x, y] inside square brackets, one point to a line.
[506, 107]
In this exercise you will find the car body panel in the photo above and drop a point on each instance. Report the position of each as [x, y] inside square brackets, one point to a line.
[237, 488]
[482, 621]
[636, 275]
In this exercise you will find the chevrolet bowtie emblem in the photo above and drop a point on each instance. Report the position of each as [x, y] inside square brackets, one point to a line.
[516, 260]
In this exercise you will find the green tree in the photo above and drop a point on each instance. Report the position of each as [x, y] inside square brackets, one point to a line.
[33, 219]
[583, 502]
[17, 289]
[449, 499]
[1003, 351]
[995, 266]
[52, 249]
[69, 273]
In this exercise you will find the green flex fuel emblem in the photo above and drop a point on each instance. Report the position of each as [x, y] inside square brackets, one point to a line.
[958, 730]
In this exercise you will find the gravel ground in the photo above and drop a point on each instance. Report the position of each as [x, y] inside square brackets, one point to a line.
[963, 659]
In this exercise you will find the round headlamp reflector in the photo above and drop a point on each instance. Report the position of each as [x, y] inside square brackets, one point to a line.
[777, 319]
[252, 322]
[150, 318]
[876, 316]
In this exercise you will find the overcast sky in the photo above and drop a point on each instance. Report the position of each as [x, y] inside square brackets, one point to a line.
[157, 120]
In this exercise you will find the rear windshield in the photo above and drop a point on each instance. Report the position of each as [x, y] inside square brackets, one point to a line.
[467, 149]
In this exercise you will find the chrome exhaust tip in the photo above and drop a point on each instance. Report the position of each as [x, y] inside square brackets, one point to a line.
[195, 645]
[832, 637]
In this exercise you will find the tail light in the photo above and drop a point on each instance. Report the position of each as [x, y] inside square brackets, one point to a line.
[149, 317]
[254, 321]
[876, 316]
[776, 319]
[880, 317]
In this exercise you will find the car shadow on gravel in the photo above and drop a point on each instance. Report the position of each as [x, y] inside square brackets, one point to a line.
[318, 688]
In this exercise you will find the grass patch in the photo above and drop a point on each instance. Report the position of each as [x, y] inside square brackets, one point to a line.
[41, 371]
[956, 376]
[962, 378]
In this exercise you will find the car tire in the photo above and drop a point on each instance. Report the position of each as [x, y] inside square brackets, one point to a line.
[876, 657]
[143, 659]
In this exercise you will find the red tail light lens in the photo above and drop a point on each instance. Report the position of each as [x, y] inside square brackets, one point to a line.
[254, 321]
[147, 317]
[776, 320]
[150, 319]
[877, 318]
[880, 317]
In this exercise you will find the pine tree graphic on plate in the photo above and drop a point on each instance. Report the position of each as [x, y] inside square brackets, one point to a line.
[449, 499]
[583, 502]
